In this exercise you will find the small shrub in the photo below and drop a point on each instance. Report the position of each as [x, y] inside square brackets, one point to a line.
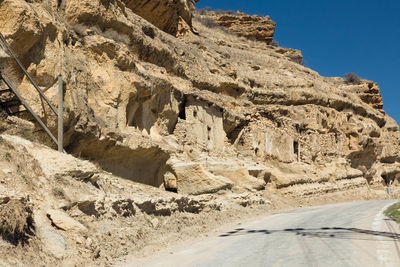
[393, 212]
[116, 36]
[352, 78]
[201, 11]
[27, 134]
[252, 38]
[274, 43]
[8, 156]
[304, 63]
[208, 22]
[58, 177]
[211, 24]
[58, 192]
[16, 220]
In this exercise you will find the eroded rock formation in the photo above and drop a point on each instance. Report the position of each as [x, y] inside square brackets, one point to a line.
[221, 121]
[251, 27]
[209, 112]
[174, 17]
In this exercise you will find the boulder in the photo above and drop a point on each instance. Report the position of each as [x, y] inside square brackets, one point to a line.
[193, 178]
[293, 54]
[64, 222]
[238, 174]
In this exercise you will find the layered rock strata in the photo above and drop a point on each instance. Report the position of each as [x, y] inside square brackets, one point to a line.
[251, 27]
[209, 112]
[168, 15]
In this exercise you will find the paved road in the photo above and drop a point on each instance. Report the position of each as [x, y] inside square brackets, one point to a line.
[348, 234]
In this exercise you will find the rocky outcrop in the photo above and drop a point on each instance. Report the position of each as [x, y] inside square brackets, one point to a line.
[370, 93]
[153, 109]
[163, 132]
[174, 17]
[252, 27]
[68, 211]
[63, 221]
[292, 54]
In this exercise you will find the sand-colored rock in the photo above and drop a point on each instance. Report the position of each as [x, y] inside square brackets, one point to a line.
[212, 117]
[251, 27]
[64, 222]
[193, 178]
[292, 54]
[138, 99]
[169, 16]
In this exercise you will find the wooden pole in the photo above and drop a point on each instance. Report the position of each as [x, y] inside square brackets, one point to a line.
[60, 114]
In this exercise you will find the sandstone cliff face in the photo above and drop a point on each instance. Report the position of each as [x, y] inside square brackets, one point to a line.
[254, 28]
[59, 210]
[210, 112]
[168, 15]
[251, 27]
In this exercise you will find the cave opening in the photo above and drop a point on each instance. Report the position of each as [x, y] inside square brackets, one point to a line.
[182, 109]
[385, 179]
[141, 165]
[296, 147]
[296, 150]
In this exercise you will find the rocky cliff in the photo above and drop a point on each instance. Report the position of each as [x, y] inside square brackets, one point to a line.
[210, 111]
[150, 108]
[174, 17]
[252, 27]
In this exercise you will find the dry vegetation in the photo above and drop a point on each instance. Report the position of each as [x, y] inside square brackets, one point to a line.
[16, 221]
[352, 78]
[393, 212]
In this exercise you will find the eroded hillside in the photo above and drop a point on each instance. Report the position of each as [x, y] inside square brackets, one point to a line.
[188, 106]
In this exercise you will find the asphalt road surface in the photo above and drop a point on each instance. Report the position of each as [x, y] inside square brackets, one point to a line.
[347, 234]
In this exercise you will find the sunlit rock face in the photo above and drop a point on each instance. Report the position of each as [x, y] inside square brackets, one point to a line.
[206, 112]
[170, 16]
[252, 27]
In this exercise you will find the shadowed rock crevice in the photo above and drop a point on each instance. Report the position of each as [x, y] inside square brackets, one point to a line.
[364, 159]
[157, 112]
[225, 88]
[140, 165]
[265, 97]
[166, 15]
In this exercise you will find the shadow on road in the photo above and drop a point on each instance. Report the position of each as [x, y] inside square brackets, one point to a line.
[323, 232]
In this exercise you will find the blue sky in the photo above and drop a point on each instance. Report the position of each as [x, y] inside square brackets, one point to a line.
[337, 37]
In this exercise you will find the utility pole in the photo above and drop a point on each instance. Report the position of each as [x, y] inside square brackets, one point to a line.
[60, 114]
